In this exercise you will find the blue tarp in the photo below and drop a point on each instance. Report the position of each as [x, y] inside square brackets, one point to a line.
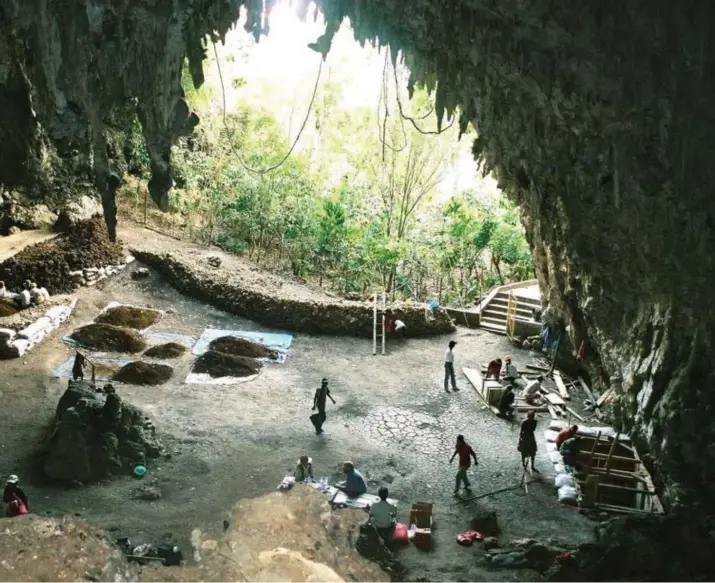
[187, 341]
[275, 341]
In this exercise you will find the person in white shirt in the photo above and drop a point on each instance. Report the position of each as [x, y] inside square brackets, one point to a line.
[382, 515]
[449, 367]
[531, 391]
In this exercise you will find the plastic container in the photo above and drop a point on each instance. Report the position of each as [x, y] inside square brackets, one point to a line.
[401, 534]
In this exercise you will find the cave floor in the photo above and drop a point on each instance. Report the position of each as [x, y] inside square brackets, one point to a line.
[392, 418]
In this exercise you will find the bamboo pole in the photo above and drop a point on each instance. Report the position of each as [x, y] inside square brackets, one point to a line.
[374, 325]
[384, 305]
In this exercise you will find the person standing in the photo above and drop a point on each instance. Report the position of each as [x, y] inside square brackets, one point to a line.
[78, 367]
[527, 441]
[465, 453]
[449, 367]
[322, 394]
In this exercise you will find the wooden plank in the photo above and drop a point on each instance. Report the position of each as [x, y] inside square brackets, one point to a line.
[586, 390]
[475, 379]
[610, 452]
[593, 450]
[570, 410]
[552, 411]
[625, 509]
[563, 391]
[554, 399]
[537, 367]
[622, 474]
[604, 398]
[531, 408]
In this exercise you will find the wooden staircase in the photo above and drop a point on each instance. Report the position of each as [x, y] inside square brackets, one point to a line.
[493, 313]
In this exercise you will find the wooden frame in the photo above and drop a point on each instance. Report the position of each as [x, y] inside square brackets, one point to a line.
[624, 485]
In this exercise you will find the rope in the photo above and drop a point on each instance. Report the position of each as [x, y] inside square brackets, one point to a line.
[300, 132]
[411, 119]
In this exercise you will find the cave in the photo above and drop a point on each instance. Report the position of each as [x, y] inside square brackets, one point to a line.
[595, 121]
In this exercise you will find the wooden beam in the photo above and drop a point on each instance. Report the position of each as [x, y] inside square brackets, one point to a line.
[621, 474]
[563, 391]
[615, 508]
[605, 397]
[588, 392]
[570, 410]
[610, 453]
[554, 399]
[537, 367]
[552, 411]
[593, 450]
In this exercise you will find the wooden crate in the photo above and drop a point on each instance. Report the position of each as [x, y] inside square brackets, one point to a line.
[421, 517]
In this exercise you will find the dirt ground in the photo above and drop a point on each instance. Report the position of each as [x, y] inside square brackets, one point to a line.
[12, 244]
[228, 442]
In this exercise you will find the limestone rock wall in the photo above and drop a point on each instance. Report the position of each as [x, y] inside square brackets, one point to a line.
[97, 435]
[217, 288]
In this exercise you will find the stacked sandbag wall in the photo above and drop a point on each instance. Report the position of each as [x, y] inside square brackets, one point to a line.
[15, 344]
[314, 317]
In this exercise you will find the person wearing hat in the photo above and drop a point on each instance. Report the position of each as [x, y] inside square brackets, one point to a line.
[322, 394]
[304, 470]
[510, 371]
[449, 367]
[14, 497]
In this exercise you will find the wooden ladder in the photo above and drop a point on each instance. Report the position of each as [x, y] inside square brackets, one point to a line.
[512, 304]
[378, 324]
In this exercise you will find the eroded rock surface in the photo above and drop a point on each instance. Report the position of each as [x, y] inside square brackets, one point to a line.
[97, 435]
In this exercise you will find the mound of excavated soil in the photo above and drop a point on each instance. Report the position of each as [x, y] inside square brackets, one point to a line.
[219, 364]
[49, 263]
[108, 338]
[168, 350]
[129, 317]
[241, 347]
[143, 373]
[6, 310]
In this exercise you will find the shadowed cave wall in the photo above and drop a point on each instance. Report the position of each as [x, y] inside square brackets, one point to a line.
[596, 118]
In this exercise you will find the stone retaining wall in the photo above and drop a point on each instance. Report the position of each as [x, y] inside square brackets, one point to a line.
[216, 287]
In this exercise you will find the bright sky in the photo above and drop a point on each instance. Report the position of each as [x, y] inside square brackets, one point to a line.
[283, 62]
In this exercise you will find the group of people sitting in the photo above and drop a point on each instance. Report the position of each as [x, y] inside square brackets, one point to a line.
[382, 515]
[30, 295]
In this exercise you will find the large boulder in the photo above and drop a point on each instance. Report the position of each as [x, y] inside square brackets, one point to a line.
[81, 209]
[26, 216]
[97, 435]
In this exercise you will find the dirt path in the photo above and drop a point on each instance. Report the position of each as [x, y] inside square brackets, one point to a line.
[392, 418]
[12, 244]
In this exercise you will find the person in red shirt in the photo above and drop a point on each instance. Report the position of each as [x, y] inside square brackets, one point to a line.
[494, 369]
[465, 452]
[566, 434]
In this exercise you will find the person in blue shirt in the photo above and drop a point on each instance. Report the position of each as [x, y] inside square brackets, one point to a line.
[354, 484]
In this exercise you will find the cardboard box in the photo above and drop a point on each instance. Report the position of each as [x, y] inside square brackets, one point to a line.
[421, 517]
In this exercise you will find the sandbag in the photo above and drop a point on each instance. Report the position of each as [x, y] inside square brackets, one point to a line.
[605, 432]
[560, 468]
[40, 327]
[59, 313]
[555, 457]
[564, 480]
[567, 495]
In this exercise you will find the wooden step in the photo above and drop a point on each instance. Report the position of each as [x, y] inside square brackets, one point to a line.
[503, 303]
[490, 327]
[503, 311]
[497, 320]
[504, 295]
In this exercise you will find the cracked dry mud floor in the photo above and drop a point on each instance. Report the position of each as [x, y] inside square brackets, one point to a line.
[392, 418]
